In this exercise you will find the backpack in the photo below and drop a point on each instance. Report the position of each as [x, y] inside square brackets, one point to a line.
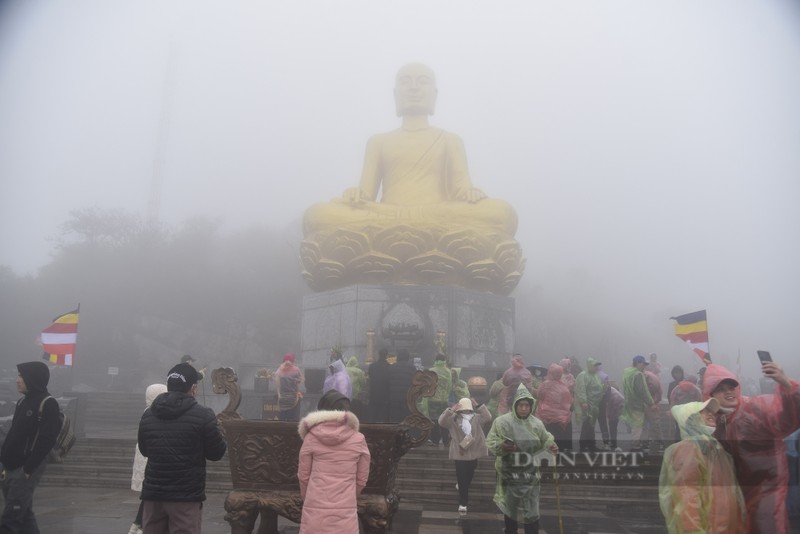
[65, 439]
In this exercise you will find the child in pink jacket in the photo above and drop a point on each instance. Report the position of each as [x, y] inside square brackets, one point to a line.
[333, 467]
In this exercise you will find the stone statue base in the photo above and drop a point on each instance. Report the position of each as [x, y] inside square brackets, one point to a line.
[479, 326]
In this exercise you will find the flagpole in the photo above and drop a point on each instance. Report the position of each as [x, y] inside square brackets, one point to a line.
[708, 335]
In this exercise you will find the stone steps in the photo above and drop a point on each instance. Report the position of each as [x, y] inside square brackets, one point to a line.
[424, 476]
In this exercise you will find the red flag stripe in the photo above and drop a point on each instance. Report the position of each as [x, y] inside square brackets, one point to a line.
[696, 337]
[62, 328]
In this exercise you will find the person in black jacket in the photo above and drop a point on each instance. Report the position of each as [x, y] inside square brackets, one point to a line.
[34, 429]
[400, 376]
[378, 374]
[177, 435]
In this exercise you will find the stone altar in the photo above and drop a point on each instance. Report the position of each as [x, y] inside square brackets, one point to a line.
[263, 457]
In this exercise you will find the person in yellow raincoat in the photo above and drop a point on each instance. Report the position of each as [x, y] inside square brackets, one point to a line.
[698, 491]
[518, 439]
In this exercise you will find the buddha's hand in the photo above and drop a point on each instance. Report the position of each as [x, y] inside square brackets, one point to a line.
[473, 195]
[354, 195]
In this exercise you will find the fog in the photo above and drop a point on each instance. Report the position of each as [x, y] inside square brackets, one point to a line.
[650, 149]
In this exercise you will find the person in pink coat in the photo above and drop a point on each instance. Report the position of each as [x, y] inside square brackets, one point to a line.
[554, 408]
[333, 467]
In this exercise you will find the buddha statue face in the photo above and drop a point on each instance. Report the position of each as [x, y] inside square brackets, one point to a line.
[415, 90]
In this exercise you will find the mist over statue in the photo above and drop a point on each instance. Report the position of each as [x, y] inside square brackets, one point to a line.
[431, 225]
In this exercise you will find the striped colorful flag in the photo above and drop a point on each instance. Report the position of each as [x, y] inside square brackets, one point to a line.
[693, 329]
[60, 338]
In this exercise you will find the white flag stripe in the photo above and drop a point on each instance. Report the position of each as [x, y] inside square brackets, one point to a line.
[702, 346]
[59, 339]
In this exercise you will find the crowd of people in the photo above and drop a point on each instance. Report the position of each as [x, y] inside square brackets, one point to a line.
[725, 469]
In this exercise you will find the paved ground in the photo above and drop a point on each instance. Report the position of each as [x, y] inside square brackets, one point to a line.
[89, 510]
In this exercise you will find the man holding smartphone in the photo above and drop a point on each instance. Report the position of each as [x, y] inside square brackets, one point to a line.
[752, 430]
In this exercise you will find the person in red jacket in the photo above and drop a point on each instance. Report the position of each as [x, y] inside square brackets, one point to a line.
[752, 430]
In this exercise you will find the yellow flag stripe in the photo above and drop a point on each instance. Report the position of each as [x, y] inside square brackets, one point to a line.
[702, 326]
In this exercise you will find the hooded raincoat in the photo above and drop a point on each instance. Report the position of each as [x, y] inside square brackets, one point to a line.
[288, 379]
[358, 379]
[518, 478]
[338, 379]
[589, 390]
[637, 396]
[555, 400]
[753, 434]
[332, 470]
[698, 491]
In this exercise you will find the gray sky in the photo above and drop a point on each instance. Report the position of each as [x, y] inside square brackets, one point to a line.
[651, 149]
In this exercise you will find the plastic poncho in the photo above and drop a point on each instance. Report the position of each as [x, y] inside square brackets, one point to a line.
[338, 379]
[460, 389]
[615, 403]
[287, 381]
[514, 376]
[567, 378]
[494, 397]
[637, 397]
[555, 400]
[445, 383]
[753, 434]
[698, 491]
[358, 379]
[653, 385]
[518, 478]
[589, 390]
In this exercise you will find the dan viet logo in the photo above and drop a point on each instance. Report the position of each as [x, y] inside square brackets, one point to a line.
[599, 465]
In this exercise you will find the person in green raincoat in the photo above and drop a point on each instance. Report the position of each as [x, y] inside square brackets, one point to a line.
[494, 395]
[698, 491]
[589, 391]
[358, 380]
[460, 388]
[440, 400]
[637, 400]
[517, 439]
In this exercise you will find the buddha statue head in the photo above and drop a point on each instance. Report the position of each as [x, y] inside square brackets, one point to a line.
[415, 90]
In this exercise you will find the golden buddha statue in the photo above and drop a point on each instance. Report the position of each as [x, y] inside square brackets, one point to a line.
[431, 225]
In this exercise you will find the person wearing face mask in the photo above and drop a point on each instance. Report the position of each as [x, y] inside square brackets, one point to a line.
[465, 423]
[752, 430]
[698, 491]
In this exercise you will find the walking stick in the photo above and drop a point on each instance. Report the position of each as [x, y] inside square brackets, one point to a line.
[558, 499]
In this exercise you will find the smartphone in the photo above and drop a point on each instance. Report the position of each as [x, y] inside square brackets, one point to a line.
[764, 356]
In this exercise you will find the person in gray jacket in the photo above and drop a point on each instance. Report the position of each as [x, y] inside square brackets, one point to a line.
[465, 423]
[177, 435]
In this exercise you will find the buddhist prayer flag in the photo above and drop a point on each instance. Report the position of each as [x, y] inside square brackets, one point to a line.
[693, 329]
[60, 338]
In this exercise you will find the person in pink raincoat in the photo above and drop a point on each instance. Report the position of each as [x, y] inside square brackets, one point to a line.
[554, 408]
[333, 467]
[514, 376]
[752, 430]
